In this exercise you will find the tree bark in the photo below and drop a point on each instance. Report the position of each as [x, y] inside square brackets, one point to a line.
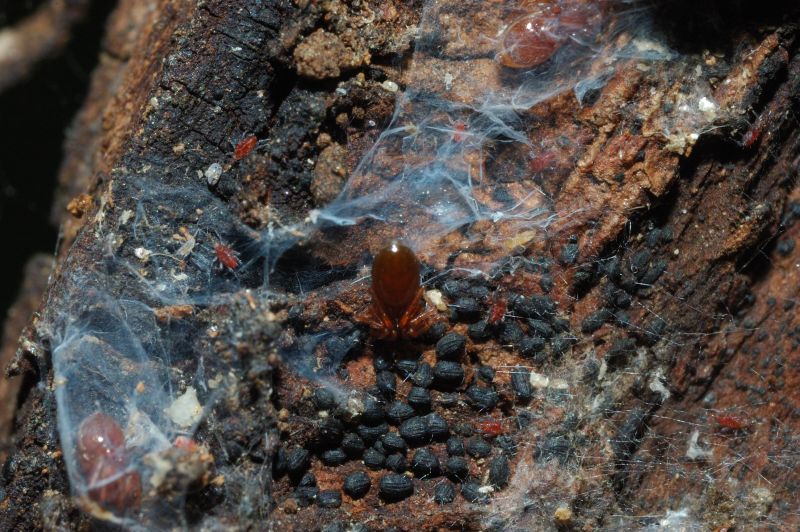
[672, 260]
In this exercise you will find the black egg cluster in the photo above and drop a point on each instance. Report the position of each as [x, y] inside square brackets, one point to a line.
[530, 326]
[404, 439]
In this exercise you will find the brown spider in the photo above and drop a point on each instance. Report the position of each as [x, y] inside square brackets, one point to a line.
[398, 309]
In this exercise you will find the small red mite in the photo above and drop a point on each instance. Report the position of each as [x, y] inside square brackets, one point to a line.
[103, 460]
[730, 422]
[491, 427]
[497, 310]
[398, 309]
[244, 147]
[226, 256]
[458, 131]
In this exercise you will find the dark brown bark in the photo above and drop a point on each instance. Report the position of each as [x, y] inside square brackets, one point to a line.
[675, 267]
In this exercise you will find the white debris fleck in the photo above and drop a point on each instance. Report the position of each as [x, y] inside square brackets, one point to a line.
[185, 411]
[142, 254]
[213, 173]
[657, 385]
[390, 85]
[486, 489]
[448, 81]
[160, 468]
[694, 451]
[706, 105]
[341, 90]
[434, 297]
[538, 380]
[675, 520]
[125, 217]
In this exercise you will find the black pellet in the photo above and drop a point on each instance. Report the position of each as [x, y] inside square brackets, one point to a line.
[450, 346]
[357, 484]
[455, 446]
[394, 487]
[353, 445]
[785, 246]
[530, 347]
[623, 299]
[560, 324]
[453, 288]
[553, 446]
[654, 273]
[471, 491]
[425, 464]
[387, 384]
[639, 262]
[305, 495]
[499, 471]
[324, 399]
[371, 434]
[394, 443]
[486, 374]
[373, 412]
[405, 367]
[434, 333]
[329, 498]
[467, 309]
[444, 493]
[374, 459]
[464, 429]
[621, 351]
[334, 457]
[457, 468]
[437, 427]
[507, 444]
[448, 400]
[396, 462]
[521, 383]
[595, 320]
[330, 432]
[482, 399]
[378, 446]
[308, 480]
[423, 377]
[560, 344]
[297, 462]
[399, 412]
[381, 362]
[336, 526]
[480, 331]
[569, 254]
[546, 283]
[420, 399]
[539, 328]
[415, 431]
[448, 374]
[477, 447]
[279, 463]
[478, 291]
[538, 307]
[511, 333]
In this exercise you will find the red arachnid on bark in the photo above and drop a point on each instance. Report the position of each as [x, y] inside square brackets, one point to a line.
[398, 309]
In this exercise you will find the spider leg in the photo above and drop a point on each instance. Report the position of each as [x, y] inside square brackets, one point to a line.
[417, 318]
[376, 317]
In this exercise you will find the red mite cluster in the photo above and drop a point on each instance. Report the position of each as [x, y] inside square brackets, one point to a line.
[103, 461]
[534, 37]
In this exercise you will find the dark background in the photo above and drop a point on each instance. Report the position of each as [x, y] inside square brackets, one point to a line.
[35, 115]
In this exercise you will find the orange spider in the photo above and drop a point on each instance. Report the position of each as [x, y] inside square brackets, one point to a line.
[398, 309]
